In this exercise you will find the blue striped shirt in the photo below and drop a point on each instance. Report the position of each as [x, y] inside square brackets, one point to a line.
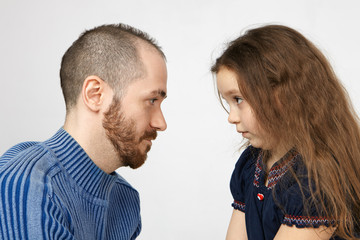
[53, 190]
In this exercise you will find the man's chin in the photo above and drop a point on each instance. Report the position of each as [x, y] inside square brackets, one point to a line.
[137, 165]
[137, 162]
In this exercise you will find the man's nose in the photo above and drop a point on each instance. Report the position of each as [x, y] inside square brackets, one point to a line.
[158, 121]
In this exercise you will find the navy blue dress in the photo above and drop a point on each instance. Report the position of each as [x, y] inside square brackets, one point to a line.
[266, 208]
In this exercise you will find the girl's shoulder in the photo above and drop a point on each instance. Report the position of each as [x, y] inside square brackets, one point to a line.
[247, 159]
[293, 196]
[243, 173]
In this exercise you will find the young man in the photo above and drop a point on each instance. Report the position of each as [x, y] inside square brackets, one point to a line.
[113, 80]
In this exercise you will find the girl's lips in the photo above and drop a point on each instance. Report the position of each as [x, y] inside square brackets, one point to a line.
[244, 133]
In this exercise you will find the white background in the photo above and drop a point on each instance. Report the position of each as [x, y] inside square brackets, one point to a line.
[184, 183]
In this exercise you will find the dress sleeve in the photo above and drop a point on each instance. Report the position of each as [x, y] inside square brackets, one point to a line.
[295, 213]
[241, 177]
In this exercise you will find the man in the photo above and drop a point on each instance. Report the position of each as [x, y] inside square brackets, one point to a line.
[113, 80]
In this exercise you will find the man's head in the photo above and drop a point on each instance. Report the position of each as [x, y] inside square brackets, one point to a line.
[114, 80]
[110, 52]
[132, 122]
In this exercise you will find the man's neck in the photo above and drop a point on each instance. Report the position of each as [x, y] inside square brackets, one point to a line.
[94, 142]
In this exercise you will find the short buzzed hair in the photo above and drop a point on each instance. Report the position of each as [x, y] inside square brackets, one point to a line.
[109, 52]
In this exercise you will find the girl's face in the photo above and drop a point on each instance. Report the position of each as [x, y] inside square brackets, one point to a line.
[240, 112]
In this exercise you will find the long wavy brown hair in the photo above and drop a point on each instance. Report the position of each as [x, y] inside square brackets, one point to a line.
[297, 98]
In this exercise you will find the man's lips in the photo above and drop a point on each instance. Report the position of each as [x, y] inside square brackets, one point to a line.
[149, 141]
[149, 136]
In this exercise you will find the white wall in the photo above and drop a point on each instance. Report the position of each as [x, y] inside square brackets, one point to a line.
[184, 183]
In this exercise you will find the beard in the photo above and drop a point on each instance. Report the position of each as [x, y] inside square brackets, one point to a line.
[122, 134]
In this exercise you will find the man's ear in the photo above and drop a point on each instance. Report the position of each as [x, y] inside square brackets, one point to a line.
[93, 93]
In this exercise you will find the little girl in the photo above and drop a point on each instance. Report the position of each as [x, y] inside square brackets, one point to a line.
[299, 176]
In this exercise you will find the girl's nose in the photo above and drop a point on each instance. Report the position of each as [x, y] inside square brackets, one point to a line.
[234, 117]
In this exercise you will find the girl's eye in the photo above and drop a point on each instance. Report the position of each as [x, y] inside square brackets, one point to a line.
[238, 100]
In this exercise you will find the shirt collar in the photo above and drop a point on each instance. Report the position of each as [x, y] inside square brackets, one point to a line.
[79, 166]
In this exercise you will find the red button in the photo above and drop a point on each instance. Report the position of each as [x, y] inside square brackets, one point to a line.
[260, 196]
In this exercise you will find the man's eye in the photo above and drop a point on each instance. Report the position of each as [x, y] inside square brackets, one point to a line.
[238, 100]
[152, 101]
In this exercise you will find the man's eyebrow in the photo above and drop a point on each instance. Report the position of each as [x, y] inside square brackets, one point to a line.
[159, 92]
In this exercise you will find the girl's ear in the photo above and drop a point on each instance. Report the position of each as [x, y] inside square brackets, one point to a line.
[277, 96]
[93, 93]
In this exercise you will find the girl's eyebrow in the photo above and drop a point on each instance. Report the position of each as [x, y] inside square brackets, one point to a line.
[232, 91]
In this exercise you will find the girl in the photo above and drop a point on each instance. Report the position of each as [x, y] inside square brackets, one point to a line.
[299, 176]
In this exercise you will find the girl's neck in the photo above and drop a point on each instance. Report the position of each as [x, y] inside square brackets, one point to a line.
[275, 155]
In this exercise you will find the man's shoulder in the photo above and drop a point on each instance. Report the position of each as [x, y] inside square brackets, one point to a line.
[15, 150]
[26, 189]
[26, 158]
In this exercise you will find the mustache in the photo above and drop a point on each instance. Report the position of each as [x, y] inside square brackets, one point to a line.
[151, 135]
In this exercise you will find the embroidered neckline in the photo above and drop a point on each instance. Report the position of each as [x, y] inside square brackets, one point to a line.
[277, 171]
